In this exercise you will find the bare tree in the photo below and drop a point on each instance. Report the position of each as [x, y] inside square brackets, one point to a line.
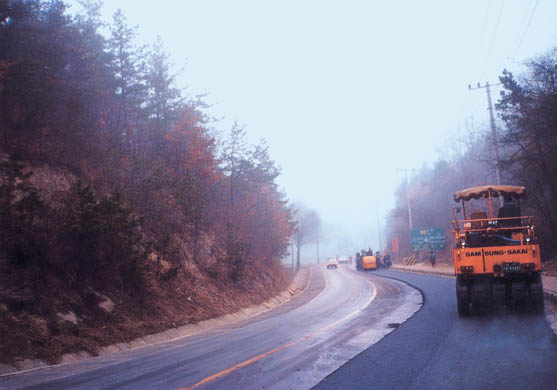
[308, 229]
[317, 233]
[319, 236]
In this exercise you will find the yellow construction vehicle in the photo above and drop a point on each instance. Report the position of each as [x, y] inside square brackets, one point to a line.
[369, 263]
[496, 259]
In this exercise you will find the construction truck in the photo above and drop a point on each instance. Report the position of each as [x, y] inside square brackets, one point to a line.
[496, 259]
[369, 263]
[365, 261]
[359, 264]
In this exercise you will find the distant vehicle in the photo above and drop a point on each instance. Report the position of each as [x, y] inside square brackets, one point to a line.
[496, 259]
[369, 263]
[333, 263]
[359, 264]
[366, 261]
[344, 261]
[386, 261]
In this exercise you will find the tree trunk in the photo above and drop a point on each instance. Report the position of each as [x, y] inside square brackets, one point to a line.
[317, 244]
[298, 250]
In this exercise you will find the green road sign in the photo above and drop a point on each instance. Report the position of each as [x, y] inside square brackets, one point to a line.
[427, 238]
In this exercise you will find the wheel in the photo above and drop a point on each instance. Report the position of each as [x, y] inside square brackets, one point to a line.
[463, 307]
[462, 298]
[536, 296]
[539, 307]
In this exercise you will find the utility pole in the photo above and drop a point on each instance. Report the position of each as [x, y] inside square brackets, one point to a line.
[408, 205]
[317, 244]
[493, 128]
[379, 231]
[408, 200]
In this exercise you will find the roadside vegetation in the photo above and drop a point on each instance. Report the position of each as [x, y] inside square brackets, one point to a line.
[120, 213]
[527, 132]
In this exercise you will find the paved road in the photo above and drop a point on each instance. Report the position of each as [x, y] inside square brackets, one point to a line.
[294, 346]
[436, 349]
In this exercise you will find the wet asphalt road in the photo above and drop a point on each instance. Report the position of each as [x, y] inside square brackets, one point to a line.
[291, 347]
[435, 349]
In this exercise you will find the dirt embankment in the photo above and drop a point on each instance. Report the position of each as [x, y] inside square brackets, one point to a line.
[47, 312]
[70, 325]
[550, 267]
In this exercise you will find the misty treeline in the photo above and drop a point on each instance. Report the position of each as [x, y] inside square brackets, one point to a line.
[309, 230]
[109, 173]
[527, 132]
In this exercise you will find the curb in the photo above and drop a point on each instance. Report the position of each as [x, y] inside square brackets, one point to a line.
[423, 271]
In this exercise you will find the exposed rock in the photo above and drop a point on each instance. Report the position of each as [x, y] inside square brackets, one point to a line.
[107, 304]
[70, 316]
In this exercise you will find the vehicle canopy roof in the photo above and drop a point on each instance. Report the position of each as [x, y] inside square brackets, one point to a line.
[496, 191]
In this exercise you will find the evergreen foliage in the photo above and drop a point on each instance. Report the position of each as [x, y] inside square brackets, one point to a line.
[20, 208]
[107, 240]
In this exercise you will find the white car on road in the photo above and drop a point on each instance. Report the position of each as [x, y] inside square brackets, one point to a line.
[333, 263]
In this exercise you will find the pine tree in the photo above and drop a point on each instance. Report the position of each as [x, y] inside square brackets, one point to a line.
[107, 240]
[20, 208]
[164, 97]
[128, 66]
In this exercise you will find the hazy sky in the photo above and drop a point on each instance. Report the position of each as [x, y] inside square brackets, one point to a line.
[346, 92]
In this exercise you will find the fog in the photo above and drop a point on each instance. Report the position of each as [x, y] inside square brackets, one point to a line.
[347, 94]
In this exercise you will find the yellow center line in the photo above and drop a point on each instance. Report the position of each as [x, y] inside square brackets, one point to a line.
[282, 347]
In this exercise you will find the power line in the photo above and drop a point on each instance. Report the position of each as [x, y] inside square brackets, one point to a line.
[488, 56]
[486, 21]
[525, 30]
[525, 17]
[497, 24]
[484, 36]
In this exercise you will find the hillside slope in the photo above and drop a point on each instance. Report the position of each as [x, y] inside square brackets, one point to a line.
[44, 315]
[120, 213]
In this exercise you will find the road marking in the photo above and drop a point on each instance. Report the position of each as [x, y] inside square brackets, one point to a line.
[285, 346]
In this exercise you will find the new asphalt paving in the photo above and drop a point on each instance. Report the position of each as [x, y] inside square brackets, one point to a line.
[436, 349]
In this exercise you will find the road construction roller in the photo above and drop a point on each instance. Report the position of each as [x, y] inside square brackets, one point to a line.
[369, 263]
[365, 261]
[496, 258]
